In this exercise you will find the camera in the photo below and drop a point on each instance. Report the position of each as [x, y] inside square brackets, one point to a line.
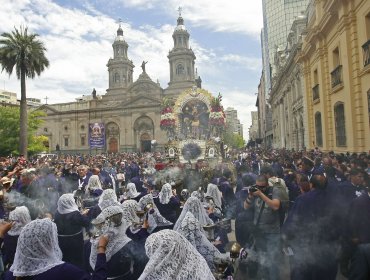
[253, 188]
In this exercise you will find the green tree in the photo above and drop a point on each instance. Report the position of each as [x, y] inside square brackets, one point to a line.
[9, 131]
[233, 140]
[26, 54]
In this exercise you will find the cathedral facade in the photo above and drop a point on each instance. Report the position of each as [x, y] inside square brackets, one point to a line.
[127, 118]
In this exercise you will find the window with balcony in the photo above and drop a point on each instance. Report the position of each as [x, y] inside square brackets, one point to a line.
[336, 74]
[315, 93]
[366, 46]
[83, 141]
[318, 129]
[340, 124]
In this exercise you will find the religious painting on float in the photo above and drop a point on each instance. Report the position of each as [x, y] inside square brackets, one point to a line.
[193, 125]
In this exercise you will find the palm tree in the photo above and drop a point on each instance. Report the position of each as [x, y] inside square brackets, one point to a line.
[26, 54]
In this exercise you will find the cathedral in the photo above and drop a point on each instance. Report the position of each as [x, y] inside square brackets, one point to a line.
[126, 118]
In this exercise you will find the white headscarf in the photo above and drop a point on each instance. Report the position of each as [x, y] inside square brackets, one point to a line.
[37, 249]
[67, 204]
[214, 192]
[129, 208]
[191, 229]
[165, 194]
[93, 184]
[131, 191]
[20, 217]
[108, 198]
[117, 236]
[194, 206]
[172, 257]
[155, 219]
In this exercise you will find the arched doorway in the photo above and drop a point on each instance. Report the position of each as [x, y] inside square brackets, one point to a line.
[112, 134]
[145, 143]
[144, 133]
[113, 145]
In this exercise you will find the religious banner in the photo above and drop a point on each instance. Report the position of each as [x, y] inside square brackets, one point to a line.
[96, 135]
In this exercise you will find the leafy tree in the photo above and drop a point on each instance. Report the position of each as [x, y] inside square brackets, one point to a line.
[9, 131]
[232, 139]
[25, 53]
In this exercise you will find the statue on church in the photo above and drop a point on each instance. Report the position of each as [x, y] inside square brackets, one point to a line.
[93, 93]
[143, 65]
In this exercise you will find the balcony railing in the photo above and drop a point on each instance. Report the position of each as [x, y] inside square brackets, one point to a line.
[336, 76]
[315, 92]
[366, 51]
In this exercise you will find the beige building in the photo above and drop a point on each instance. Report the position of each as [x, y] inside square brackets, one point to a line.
[286, 97]
[335, 61]
[7, 97]
[253, 129]
[130, 111]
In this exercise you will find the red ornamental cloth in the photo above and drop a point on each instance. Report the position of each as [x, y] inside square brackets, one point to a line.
[167, 123]
[166, 110]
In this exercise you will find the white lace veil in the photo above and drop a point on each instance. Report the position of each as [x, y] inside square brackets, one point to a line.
[194, 206]
[108, 198]
[191, 229]
[131, 191]
[172, 257]
[129, 208]
[214, 192]
[37, 249]
[165, 194]
[154, 219]
[67, 204]
[20, 217]
[117, 236]
[93, 184]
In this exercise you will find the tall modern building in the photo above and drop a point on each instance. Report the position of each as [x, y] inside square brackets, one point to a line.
[233, 122]
[278, 16]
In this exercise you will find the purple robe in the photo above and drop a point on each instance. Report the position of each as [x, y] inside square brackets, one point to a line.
[68, 271]
[169, 210]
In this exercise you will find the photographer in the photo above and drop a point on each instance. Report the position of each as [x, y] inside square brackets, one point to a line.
[265, 201]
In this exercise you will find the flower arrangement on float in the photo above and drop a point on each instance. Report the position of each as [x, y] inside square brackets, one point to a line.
[217, 116]
[168, 121]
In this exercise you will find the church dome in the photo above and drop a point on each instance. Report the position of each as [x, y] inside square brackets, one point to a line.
[119, 35]
[180, 24]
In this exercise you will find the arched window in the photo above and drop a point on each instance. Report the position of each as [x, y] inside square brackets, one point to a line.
[340, 124]
[116, 78]
[180, 70]
[318, 129]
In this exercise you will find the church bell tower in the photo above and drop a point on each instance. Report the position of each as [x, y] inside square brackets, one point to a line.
[181, 59]
[120, 68]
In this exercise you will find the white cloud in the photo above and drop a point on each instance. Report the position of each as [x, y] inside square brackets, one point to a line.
[219, 15]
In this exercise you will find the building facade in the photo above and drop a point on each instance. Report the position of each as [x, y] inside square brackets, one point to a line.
[335, 60]
[233, 122]
[278, 16]
[7, 97]
[130, 111]
[286, 97]
[253, 129]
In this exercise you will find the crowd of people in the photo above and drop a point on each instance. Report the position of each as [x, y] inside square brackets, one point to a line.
[298, 215]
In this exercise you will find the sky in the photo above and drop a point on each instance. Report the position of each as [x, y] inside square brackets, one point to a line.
[78, 35]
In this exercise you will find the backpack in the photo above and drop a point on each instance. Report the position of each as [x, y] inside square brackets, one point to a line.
[284, 192]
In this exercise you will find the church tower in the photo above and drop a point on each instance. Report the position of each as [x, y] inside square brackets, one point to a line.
[120, 68]
[182, 60]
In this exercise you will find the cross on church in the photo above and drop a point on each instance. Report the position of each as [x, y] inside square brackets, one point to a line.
[119, 21]
[179, 10]
[46, 100]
